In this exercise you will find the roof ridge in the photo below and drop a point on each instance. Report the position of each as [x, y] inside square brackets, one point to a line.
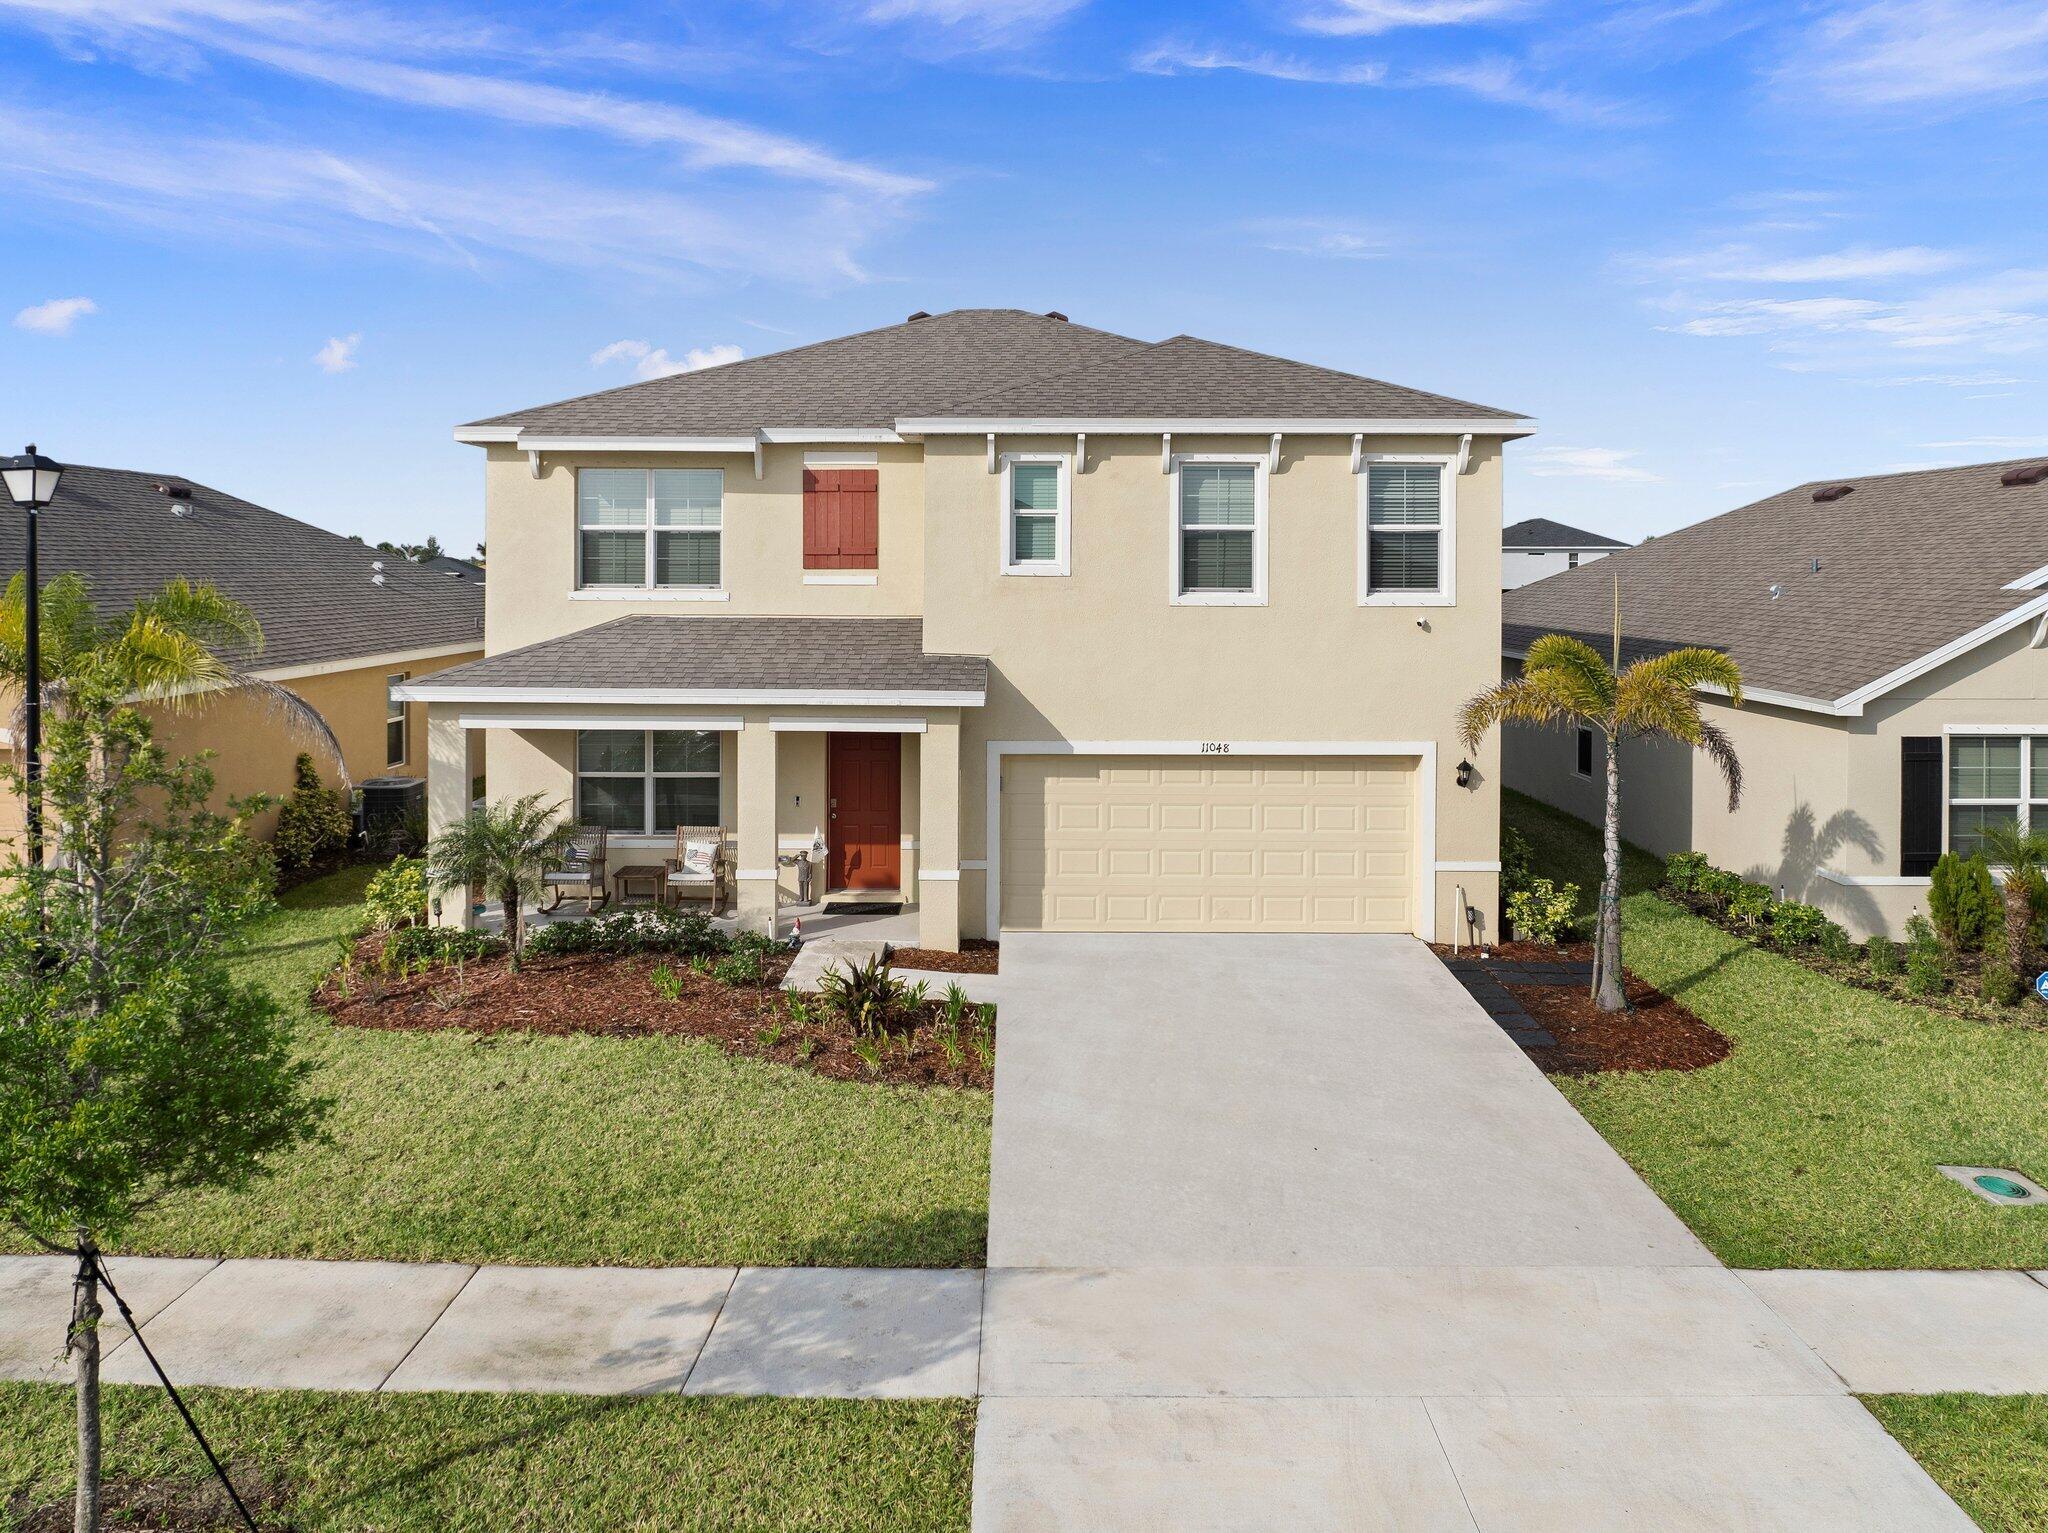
[1909, 473]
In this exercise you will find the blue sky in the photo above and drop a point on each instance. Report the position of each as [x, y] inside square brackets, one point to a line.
[1715, 248]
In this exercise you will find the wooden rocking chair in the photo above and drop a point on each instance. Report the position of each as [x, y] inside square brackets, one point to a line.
[699, 868]
[582, 868]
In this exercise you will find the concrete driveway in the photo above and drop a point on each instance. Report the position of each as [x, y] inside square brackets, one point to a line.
[1284, 1232]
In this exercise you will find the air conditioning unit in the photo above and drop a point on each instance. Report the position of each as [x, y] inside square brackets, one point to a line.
[390, 810]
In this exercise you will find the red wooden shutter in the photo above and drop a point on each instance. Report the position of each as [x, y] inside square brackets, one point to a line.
[841, 529]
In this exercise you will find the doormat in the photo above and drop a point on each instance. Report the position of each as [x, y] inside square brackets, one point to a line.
[864, 908]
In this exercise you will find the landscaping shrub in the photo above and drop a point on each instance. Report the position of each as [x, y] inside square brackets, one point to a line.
[1927, 961]
[1717, 886]
[739, 968]
[643, 929]
[1682, 871]
[1544, 911]
[1963, 901]
[1517, 860]
[2001, 984]
[414, 948]
[1750, 905]
[868, 998]
[397, 896]
[314, 822]
[1834, 943]
[1883, 956]
[1794, 924]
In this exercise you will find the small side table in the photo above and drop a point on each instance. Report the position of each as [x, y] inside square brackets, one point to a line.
[652, 874]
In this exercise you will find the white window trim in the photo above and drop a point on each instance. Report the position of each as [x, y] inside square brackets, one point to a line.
[1256, 596]
[395, 713]
[1062, 562]
[2022, 807]
[646, 775]
[646, 590]
[1446, 594]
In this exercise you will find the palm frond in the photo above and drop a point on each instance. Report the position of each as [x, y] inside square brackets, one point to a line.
[1692, 668]
[294, 713]
[1720, 750]
[205, 612]
[1521, 701]
[1577, 665]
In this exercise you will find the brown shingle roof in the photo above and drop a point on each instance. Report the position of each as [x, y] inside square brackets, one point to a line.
[977, 363]
[659, 652]
[1908, 563]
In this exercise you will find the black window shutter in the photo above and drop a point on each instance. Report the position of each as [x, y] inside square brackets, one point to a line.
[1919, 804]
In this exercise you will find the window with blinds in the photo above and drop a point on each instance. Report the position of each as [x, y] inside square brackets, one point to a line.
[651, 528]
[1035, 525]
[1995, 780]
[646, 782]
[1404, 529]
[1219, 528]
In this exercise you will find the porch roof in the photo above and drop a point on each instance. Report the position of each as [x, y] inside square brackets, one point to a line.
[664, 658]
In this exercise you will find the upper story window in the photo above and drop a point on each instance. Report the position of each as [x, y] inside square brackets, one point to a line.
[646, 782]
[1405, 542]
[1219, 531]
[395, 749]
[1995, 780]
[1037, 517]
[649, 529]
[841, 518]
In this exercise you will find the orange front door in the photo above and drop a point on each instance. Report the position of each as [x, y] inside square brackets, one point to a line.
[864, 782]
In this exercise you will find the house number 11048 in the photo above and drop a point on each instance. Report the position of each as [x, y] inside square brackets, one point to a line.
[1215, 748]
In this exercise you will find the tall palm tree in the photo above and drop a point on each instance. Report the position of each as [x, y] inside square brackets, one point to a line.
[176, 647]
[1565, 682]
[2023, 856]
[505, 847]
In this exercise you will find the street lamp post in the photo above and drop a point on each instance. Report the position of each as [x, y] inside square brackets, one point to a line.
[31, 481]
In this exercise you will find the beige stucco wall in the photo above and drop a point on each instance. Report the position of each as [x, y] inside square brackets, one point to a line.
[253, 750]
[1819, 792]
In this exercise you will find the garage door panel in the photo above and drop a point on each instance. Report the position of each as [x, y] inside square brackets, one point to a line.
[1252, 844]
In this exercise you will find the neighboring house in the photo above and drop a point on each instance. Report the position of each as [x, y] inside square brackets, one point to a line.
[452, 567]
[1026, 624]
[344, 626]
[1532, 549]
[1890, 634]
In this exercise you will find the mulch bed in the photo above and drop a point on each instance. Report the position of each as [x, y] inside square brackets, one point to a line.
[1655, 1033]
[164, 1505]
[614, 996]
[1520, 952]
[977, 955]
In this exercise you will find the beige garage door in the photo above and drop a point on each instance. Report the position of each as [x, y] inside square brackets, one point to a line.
[1172, 843]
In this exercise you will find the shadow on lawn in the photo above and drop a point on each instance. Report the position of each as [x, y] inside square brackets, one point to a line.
[940, 1237]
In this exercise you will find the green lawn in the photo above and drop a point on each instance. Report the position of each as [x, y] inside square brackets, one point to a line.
[646, 1151]
[1990, 1452]
[1567, 850]
[499, 1462]
[1814, 1143]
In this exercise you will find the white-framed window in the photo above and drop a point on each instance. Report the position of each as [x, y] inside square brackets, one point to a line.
[395, 743]
[1584, 744]
[1571, 561]
[1038, 520]
[646, 781]
[649, 529]
[1406, 526]
[1995, 780]
[1219, 530]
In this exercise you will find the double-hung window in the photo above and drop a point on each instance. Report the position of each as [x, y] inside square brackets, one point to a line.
[1405, 545]
[649, 529]
[1995, 780]
[1219, 531]
[1037, 519]
[394, 721]
[646, 781]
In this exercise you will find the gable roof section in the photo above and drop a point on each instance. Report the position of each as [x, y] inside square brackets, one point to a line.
[310, 589]
[1541, 532]
[982, 363]
[1915, 569]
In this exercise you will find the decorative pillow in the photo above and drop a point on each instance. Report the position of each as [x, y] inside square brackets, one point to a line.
[576, 856]
[699, 858]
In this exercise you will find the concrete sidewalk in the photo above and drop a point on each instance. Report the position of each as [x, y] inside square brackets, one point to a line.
[849, 1332]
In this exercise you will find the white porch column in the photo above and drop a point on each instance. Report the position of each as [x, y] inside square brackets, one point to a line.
[755, 833]
[447, 796]
[938, 832]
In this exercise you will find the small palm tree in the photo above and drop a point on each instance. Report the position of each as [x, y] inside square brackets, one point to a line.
[2022, 855]
[1565, 682]
[505, 847]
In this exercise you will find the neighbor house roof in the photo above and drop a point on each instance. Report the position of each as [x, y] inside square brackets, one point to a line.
[312, 590]
[661, 657]
[975, 363]
[1541, 532]
[1830, 600]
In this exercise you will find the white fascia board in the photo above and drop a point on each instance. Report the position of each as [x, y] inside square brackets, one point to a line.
[479, 436]
[1982, 634]
[595, 720]
[1245, 426]
[425, 691]
[902, 724]
[826, 436]
[725, 444]
[1841, 709]
[2033, 580]
[573, 442]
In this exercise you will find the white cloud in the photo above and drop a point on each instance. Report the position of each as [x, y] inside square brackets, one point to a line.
[1501, 81]
[2005, 313]
[1364, 18]
[1925, 53]
[1743, 263]
[339, 354]
[1989, 444]
[1169, 58]
[655, 362]
[1330, 237]
[1948, 380]
[1609, 463]
[55, 317]
[979, 23]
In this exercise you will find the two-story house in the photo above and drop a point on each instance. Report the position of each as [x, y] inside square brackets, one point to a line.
[1029, 624]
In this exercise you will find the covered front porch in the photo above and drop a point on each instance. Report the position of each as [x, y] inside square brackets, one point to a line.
[842, 789]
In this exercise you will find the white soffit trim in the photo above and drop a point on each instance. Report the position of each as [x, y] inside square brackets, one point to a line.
[2033, 580]
[424, 691]
[599, 721]
[1753, 694]
[480, 436]
[367, 662]
[1066, 425]
[869, 726]
[729, 444]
